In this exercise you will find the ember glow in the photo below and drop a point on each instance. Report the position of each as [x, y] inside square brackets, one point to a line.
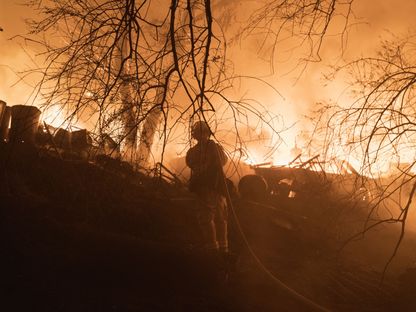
[299, 92]
[57, 117]
[225, 147]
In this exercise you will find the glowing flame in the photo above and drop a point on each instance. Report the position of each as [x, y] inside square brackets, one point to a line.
[54, 117]
[57, 117]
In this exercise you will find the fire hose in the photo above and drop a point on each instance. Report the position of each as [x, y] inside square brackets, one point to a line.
[310, 303]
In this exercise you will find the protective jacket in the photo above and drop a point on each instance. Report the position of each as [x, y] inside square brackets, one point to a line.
[206, 161]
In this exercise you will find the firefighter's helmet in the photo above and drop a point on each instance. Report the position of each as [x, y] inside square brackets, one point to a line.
[200, 130]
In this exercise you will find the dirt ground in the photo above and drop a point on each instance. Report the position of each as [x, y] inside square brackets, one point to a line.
[78, 236]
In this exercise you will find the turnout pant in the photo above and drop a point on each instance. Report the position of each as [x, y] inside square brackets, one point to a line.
[212, 218]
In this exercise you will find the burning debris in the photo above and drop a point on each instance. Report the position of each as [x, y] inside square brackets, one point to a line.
[140, 75]
[275, 209]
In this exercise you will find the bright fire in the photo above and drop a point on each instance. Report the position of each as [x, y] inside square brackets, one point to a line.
[56, 116]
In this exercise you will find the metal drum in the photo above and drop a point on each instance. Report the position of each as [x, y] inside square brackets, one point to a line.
[5, 113]
[25, 123]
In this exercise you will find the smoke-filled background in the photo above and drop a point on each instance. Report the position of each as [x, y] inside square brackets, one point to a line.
[294, 86]
[299, 85]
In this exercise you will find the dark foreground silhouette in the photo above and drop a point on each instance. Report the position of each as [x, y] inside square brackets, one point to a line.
[77, 236]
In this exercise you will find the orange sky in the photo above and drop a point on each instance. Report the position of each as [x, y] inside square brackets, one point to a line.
[396, 16]
[378, 18]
